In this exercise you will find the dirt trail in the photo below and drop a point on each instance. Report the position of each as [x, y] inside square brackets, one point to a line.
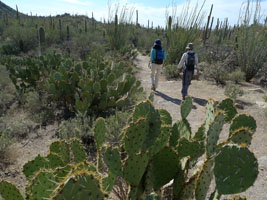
[168, 96]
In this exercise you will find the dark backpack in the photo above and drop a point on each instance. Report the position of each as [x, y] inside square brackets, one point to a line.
[159, 56]
[190, 64]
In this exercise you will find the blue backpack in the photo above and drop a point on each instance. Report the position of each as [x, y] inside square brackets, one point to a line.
[159, 56]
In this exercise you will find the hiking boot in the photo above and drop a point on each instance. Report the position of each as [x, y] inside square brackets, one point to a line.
[153, 88]
[183, 97]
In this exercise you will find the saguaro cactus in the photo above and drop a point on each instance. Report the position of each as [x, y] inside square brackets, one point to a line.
[68, 33]
[41, 40]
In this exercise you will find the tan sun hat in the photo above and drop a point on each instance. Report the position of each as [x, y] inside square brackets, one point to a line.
[190, 46]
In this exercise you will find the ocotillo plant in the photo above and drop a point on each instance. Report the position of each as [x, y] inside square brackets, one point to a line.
[205, 36]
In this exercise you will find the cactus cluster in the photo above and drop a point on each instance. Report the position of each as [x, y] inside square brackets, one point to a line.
[155, 151]
[92, 86]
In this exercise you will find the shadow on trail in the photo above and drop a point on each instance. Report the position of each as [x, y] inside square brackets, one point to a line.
[201, 102]
[168, 98]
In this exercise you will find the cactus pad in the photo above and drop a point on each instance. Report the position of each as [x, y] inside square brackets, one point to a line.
[210, 114]
[243, 121]
[161, 141]
[214, 133]
[134, 168]
[242, 136]
[146, 110]
[175, 135]
[165, 117]
[204, 180]
[78, 151]
[42, 186]
[100, 132]
[188, 191]
[9, 191]
[190, 148]
[165, 166]
[30, 168]
[200, 134]
[227, 105]
[81, 186]
[186, 107]
[235, 170]
[112, 160]
[54, 161]
[108, 182]
[184, 129]
[135, 136]
[61, 148]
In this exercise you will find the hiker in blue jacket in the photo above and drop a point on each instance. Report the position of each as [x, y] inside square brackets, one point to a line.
[188, 62]
[157, 56]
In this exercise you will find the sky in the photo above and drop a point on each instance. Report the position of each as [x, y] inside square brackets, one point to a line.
[152, 10]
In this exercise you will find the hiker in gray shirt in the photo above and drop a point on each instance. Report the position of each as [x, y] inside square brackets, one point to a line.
[188, 63]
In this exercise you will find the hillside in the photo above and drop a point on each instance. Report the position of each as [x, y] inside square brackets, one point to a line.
[6, 9]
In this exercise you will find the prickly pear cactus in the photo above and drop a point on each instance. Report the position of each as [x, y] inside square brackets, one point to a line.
[9, 191]
[186, 107]
[100, 132]
[236, 169]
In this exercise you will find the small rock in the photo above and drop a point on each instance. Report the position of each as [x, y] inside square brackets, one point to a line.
[261, 104]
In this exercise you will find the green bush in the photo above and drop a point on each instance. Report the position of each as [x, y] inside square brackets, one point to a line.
[233, 91]
[80, 126]
[20, 38]
[115, 123]
[265, 97]
[170, 71]
[237, 76]
[216, 72]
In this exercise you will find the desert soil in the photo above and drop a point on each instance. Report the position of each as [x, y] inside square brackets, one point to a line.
[167, 96]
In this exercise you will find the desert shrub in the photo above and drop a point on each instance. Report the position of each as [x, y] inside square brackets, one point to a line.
[265, 97]
[20, 38]
[115, 123]
[216, 72]
[5, 138]
[170, 71]
[7, 90]
[265, 112]
[79, 126]
[237, 76]
[233, 91]
[41, 111]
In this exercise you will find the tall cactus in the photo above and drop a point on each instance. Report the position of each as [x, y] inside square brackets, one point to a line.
[136, 23]
[68, 33]
[41, 40]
